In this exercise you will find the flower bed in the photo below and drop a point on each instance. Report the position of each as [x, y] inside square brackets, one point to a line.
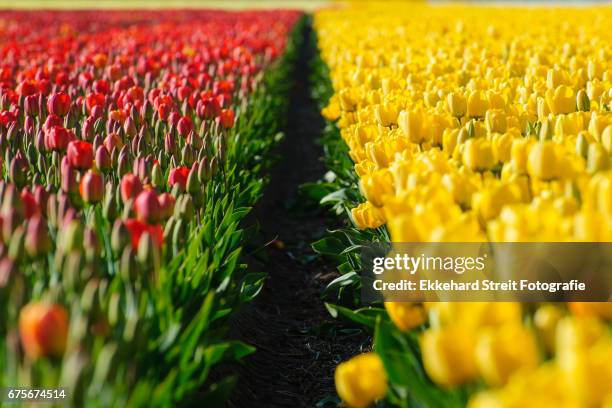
[459, 124]
[133, 146]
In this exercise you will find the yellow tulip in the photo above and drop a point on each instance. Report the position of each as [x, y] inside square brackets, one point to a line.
[561, 100]
[477, 104]
[478, 155]
[411, 124]
[361, 380]
[457, 104]
[597, 158]
[498, 356]
[376, 186]
[495, 120]
[545, 321]
[542, 161]
[386, 114]
[406, 315]
[448, 355]
[489, 202]
[367, 216]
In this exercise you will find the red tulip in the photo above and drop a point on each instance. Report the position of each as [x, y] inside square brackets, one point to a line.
[37, 239]
[226, 118]
[137, 228]
[57, 138]
[59, 104]
[178, 176]
[80, 154]
[208, 108]
[101, 86]
[7, 118]
[51, 121]
[130, 187]
[26, 88]
[184, 126]
[94, 99]
[92, 187]
[147, 207]
[43, 329]
[29, 202]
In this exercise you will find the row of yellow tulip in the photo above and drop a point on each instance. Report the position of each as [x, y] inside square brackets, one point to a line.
[475, 124]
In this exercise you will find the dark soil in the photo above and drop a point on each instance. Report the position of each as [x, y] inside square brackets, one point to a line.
[298, 343]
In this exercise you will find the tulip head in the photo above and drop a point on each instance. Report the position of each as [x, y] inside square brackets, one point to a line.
[80, 154]
[57, 138]
[130, 187]
[92, 187]
[58, 104]
[361, 380]
[43, 329]
[147, 207]
[178, 176]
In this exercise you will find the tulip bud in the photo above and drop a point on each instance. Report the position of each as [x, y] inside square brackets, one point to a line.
[187, 155]
[129, 127]
[70, 236]
[546, 130]
[41, 196]
[37, 239]
[411, 125]
[103, 159]
[112, 141]
[30, 105]
[120, 237]
[91, 243]
[16, 244]
[70, 184]
[43, 329]
[203, 169]
[7, 269]
[582, 101]
[92, 187]
[184, 126]
[130, 187]
[18, 170]
[582, 145]
[184, 207]
[457, 104]
[87, 130]
[193, 184]
[166, 205]
[169, 143]
[597, 158]
[148, 252]
[147, 207]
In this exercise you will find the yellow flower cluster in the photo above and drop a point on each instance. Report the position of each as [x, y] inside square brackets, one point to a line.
[475, 124]
[471, 123]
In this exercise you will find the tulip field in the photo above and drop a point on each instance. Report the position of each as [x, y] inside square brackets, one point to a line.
[135, 146]
[463, 124]
[132, 147]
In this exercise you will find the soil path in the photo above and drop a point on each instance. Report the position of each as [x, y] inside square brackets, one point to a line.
[298, 343]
